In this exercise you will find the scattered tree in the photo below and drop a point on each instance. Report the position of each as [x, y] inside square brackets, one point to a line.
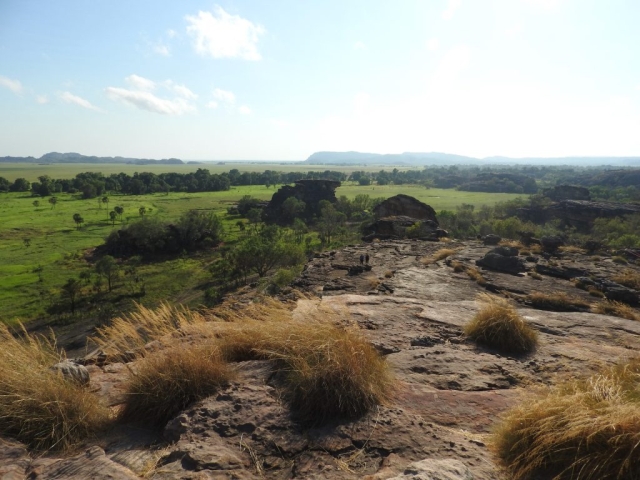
[108, 268]
[142, 211]
[53, 201]
[78, 219]
[119, 210]
[36, 203]
[26, 241]
[72, 289]
[113, 215]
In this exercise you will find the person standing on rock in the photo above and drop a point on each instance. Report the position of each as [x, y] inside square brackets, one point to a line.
[366, 259]
[361, 259]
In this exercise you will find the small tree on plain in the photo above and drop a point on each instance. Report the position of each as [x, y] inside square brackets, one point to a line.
[113, 215]
[119, 210]
[108, 268]
[105, 200]
[36, 203]
[71, 290]
[53, 201]
[142, 211]
[78, 219]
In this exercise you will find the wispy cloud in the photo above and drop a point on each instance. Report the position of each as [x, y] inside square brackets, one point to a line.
[140, 83]
[221, 35]
[359, 45]
[452, 6]
[42, 99]
[150, 102]
[70, 98]
[544, 4]
[224, 96]
[244, 110]
[433, 44]
[14, 85]
[162, 49]
[140, 96]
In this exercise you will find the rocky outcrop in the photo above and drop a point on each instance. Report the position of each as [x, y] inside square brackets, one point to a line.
[501, 263]
[398, 227]
[567, 192]
[311, 192]
[406, 206]
[578, 213]
[491, 239]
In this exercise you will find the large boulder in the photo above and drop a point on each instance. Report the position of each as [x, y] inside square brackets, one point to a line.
[311, 192]
[397, 227]
[72, 371]
[567, 192]
[501, 263]
[405, 206]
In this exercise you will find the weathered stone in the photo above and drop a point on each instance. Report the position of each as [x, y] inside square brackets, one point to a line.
[396, 227]
[72, 371]
[491, 239]
[407, 206]
[551, 243]
[14, 460]
[505, 251]
[92, 464]
[493, 261]
[563, 271]
[432, 469]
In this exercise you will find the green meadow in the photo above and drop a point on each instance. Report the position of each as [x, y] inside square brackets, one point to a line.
[41, 247]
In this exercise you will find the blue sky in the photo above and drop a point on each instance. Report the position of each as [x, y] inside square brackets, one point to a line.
[279, 80]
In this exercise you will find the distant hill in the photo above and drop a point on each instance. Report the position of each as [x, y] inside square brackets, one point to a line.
[55, 157]
[436, 158]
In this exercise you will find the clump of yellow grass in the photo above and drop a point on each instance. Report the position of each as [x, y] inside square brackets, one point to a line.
[37, 405]
[167, 381]
[438, 255]
[617, 309]
[556, 302]
[581, 430]
[628, 278]
[498, 325]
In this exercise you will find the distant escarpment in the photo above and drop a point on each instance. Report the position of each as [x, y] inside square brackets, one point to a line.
[55, 157]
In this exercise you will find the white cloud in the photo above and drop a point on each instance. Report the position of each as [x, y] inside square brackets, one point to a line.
[361, 102]
[14, 85]
[140, 83]
[452, 6]
[150, 102]
[221, 35]
[161, 49]
[279, 123]
[359, 45]
[172, 33]
[184, 92]
[544, 4]
[224, 96]
[212, 104]
[70, 98]
[244, 110]
[42, 99]
[433, 44]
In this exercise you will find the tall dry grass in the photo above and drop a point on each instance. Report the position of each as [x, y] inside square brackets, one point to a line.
[556, 302]
[439, 255]
[38, 406]
[581, 430]
[166, 382]
[133, 331]
[617, 309]
[498, 325]
[628, 278]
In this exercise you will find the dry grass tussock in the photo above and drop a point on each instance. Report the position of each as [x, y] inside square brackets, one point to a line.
[475, 275]
[373, 281]
[583, 430]
[572, 249]
[619, 260]
[324, 371]
[628, 278]
[457, 266]
[498, 325]
[133, 331]
[535, 275]
[167, 381]
[37, 406]
[617, 309]
[439, 255]
[556, 302]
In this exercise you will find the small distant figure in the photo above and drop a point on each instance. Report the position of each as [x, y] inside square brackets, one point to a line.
[366, 258]
[361, 259]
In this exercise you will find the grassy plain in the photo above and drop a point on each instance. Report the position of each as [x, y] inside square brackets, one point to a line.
[31, 275]
[31, 171]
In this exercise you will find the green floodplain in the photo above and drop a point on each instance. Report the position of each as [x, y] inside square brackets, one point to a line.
[41, 246]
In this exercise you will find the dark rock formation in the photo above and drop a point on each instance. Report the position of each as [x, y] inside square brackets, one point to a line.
[567, 192]
[311, 192]
[494, 261]
[551, 243]
[506, 251]
[396, 227]
[578, 213]
[491, 239]
[404, 205]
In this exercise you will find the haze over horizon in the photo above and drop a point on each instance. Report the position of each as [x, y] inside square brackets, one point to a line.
[244, 80]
